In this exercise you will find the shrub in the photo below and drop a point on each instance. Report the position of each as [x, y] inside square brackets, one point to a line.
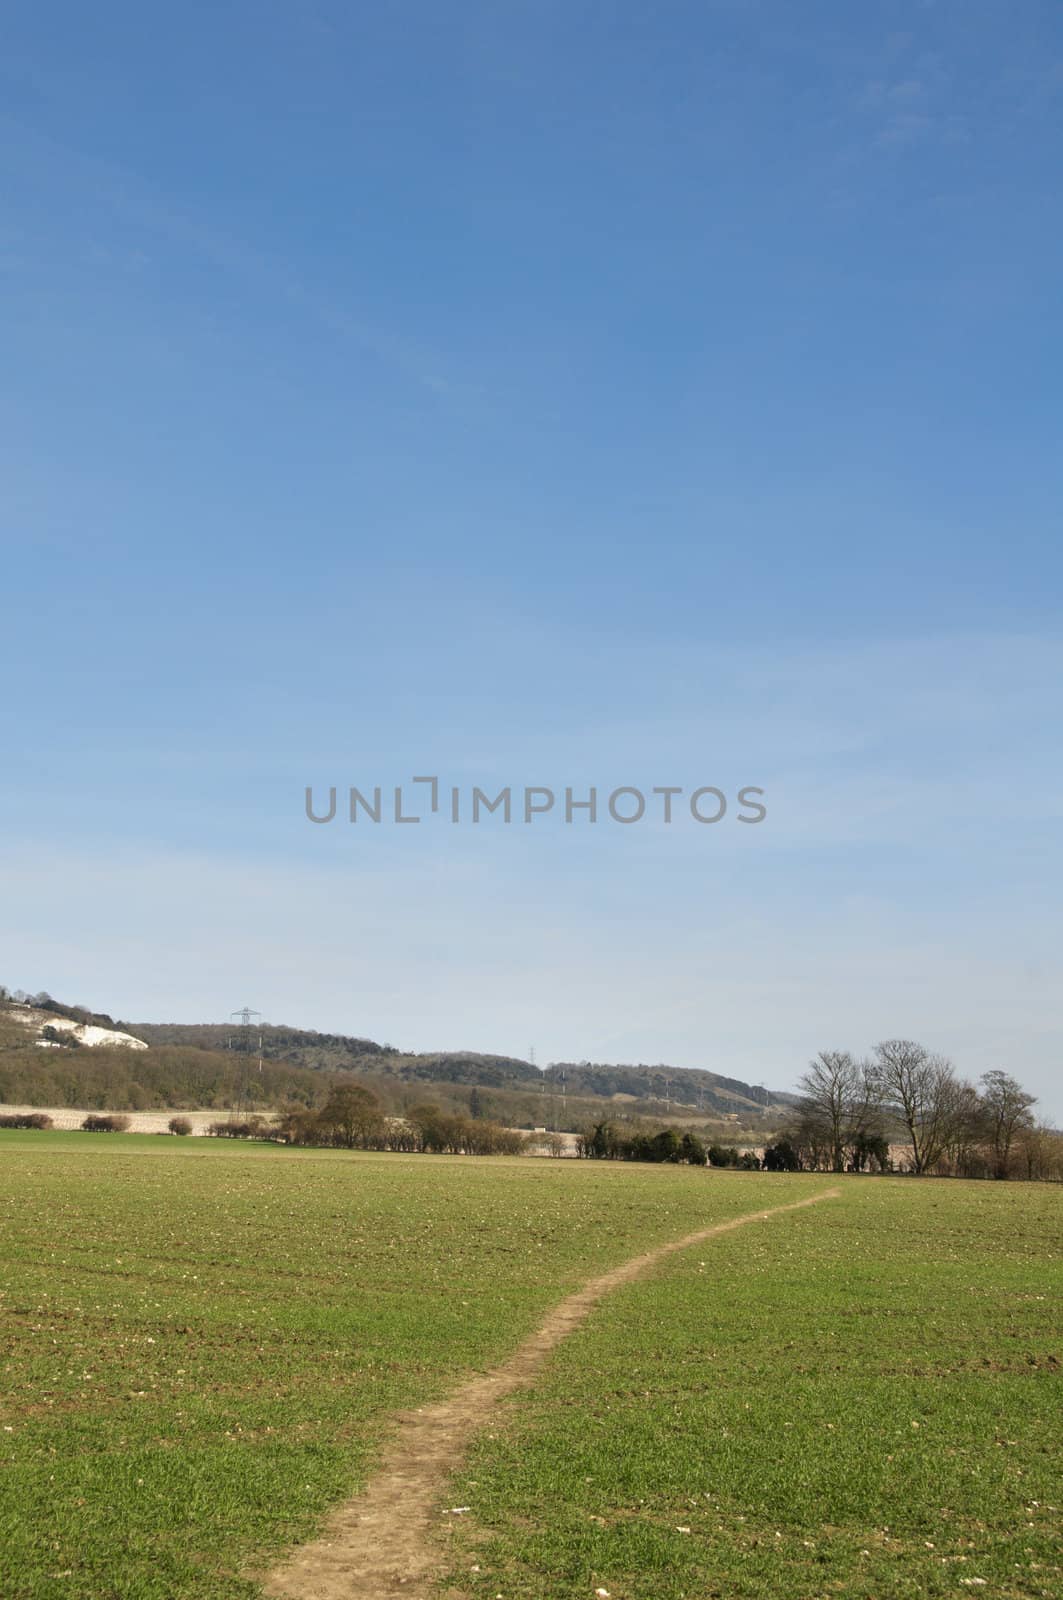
[871, 1150]
[26, 1119]
[781, 1157]
[105, 1124]
[251, 1128]
[692, 1150]
[601, 1143]
[299, 1125]
[544, 1144]
[61, 1036]
[605, 1143]
[723, 1155]
[179, 1125]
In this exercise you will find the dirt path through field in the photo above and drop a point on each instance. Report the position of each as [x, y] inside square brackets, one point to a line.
[384, 1542]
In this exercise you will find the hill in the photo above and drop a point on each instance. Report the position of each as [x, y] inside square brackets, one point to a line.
[695, 1088]
[94, 1061]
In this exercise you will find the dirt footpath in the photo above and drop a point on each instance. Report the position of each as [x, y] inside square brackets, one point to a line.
[384, 1542]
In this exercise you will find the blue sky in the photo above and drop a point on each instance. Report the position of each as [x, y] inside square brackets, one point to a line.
[549, 394]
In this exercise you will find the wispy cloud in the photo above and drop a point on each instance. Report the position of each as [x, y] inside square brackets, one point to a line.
[134, 201]
[909, 104]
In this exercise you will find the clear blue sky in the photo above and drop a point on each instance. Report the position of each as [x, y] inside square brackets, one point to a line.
[538, 393]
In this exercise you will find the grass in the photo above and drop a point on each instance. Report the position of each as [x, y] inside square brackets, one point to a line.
[201, 1341]
[863, 1399]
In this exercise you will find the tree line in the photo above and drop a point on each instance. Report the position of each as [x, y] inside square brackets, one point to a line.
[352, 1118]
[606, 1142]
[852, 1112]
[903, 1109]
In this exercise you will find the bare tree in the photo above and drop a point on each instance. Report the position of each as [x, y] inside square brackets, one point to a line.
[352, 1116]
[837, 1103]
[1039, 1149]
[923, 1092]
[964, 1136]
[1006, 1108]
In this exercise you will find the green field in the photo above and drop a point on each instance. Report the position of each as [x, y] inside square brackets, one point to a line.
[202, 1344]
[862, 1399]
